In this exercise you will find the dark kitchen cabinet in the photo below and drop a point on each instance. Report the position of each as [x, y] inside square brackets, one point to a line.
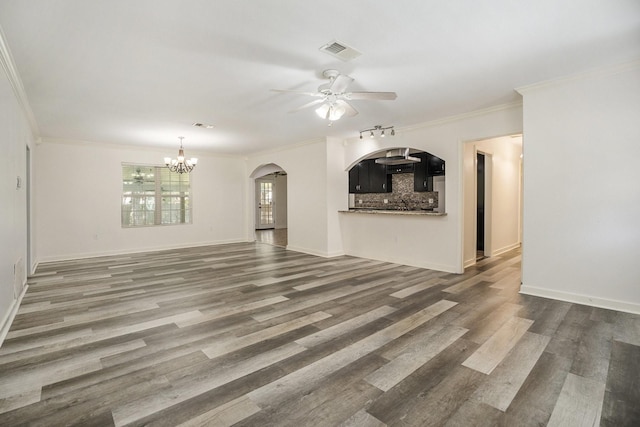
[369, 177]
[436, 166]
[424, 171]
[379, 181]
[358, 176]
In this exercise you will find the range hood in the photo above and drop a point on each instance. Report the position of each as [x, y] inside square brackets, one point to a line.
[398, 156]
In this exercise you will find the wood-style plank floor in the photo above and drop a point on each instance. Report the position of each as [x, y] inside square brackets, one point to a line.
[272, 236]
[255, 335]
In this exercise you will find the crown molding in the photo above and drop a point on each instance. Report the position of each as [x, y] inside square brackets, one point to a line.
[6, 59]
[129, 147]
[592, 73]
[463, 116]
[286, 147]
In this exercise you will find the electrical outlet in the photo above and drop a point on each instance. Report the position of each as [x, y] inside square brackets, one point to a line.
[430, 200]
[360, 201]
[385, 201]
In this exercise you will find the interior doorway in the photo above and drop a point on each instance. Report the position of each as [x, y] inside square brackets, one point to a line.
[492, 195]
[480, 205]
[270, 205]
[264, 203]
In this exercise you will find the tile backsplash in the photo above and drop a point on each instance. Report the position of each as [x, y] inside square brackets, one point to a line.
[402, 189]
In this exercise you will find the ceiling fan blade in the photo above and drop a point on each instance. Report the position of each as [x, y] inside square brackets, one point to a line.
[348, 108]
[340, 83]
[371, 95]
[307, 105]
[297, 92]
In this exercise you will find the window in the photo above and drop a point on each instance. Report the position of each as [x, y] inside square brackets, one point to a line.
[153, 195]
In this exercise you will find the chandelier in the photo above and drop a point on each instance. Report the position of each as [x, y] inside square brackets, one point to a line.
[180, 165]
[378, 128]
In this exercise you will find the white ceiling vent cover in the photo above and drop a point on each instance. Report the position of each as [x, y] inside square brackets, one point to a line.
[340, 50]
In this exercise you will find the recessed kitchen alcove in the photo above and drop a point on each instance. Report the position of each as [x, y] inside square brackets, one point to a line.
[398, 179]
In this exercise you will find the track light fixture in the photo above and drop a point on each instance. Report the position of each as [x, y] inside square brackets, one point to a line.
[378, 128]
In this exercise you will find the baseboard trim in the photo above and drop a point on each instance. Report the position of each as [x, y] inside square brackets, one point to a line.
[137, 250]
[581, 299]
[314, 252]
[11, 314]
[505, 249]
[403, 261]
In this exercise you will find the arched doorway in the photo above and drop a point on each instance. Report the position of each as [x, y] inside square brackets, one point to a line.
[270, 195]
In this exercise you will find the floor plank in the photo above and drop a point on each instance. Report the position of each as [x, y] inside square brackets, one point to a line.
[253, 334]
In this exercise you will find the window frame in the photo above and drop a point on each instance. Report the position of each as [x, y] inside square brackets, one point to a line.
[185, 198]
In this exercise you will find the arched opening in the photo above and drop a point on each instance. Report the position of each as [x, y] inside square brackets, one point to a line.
[398, 179]
[270, 205]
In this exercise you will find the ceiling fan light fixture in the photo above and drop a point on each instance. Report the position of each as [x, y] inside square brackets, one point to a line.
[336, 112]
[322, 110]
[332, 112]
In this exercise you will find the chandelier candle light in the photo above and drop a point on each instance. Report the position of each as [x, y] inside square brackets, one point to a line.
[180, 165]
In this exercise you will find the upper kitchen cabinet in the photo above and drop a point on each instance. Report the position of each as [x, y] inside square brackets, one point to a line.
[436, 166]
[424, 171]
[369, 177]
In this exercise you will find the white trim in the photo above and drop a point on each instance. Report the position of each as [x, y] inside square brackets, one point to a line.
[8, 64]
[505, 249]
[602, 71]
[581, 299]
[286, 147]
[11, 314]
[462, 264]
[469, 263]
[403, 261]
[307, 251]
[71, 257]
[314, 252]
[130, 147]
[463, 116]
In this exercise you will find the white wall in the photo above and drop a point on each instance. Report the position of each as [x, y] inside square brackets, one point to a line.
[503, 214]
[312, 208]
[78, 195]
[281, 201]
[430, 242]
[581, 189]
[15, 136]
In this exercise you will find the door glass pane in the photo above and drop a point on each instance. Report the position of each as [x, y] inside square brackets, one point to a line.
[266, 203]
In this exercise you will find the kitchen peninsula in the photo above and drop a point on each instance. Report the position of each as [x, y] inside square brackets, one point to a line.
[393, 212]
[398, 217]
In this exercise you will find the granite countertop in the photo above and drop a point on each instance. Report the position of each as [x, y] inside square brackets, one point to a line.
[393, 212]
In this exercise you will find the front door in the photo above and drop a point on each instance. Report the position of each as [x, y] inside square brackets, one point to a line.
[264, 204]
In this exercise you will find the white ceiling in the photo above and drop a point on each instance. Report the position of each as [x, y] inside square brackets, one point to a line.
[141, 72]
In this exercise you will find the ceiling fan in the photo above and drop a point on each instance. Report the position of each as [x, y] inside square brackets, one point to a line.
[333, 97]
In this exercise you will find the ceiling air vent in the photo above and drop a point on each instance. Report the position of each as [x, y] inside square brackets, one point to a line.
[340, 50]
[202, 125]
